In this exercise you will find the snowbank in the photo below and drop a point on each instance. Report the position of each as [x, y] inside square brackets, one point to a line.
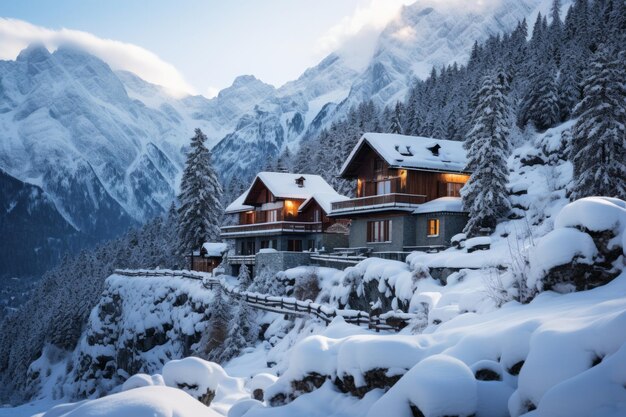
[193, 375]
[438, 386]
[517, 357]
[142, 380]
[155, 401]
[595, 214]
[560, 247]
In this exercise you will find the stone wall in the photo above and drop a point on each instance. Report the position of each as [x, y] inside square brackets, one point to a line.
[280, 261]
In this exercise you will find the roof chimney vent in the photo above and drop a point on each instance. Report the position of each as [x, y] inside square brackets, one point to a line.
[435, 149]
[300, 182]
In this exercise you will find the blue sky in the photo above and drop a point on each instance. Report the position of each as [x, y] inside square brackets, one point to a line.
[207, 42]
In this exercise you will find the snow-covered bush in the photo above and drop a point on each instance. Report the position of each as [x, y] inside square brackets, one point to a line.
[195, 376]
[307, 285]
[268, 282]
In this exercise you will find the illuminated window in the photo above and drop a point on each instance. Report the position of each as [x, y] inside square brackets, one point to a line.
[403, 176]
[454, 189]
[433, 227]
[379, 231]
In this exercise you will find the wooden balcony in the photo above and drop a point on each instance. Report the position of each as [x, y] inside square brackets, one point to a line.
[385, 201]
[271, 228]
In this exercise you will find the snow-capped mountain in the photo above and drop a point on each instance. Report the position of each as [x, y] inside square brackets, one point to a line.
[425, 34]
[106, 148]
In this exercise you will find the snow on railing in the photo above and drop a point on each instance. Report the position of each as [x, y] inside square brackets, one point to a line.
[390, 321]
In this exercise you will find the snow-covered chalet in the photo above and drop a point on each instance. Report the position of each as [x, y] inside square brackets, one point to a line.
[285, 214]
[407, 194]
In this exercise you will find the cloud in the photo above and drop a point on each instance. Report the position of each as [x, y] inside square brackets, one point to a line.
[211, 92]
[16, 35]
[354, 37]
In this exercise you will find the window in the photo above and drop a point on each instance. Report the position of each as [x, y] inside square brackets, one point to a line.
[311, 244]
[265, 244]
[433, 227]
[383, 187]
[453, 189]
[379, 231]
[294, 245]
[272, 216]
[379, 166]
[317, 215]
[247, 248]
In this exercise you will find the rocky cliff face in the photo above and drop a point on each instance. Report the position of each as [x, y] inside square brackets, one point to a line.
[138, 325]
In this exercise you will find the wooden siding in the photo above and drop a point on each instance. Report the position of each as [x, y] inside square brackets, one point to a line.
[373, 171]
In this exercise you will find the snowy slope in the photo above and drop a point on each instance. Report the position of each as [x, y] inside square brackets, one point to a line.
[433, 33]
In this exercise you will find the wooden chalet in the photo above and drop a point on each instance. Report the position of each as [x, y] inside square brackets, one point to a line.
[395, 175]
[208, 257]
[285, 212]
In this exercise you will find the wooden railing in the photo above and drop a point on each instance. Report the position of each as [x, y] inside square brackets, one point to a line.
[391, 321]
[278, 227]
[386, 200]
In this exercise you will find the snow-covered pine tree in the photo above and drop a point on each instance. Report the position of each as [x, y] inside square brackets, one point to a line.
[267, 283]
[284, 161]
[598, 150]
[569, 93]
[487, 143]
[241, 332]
[397, 116]
[221, 314]
[200, 210]
[541, 102]
[244, 279]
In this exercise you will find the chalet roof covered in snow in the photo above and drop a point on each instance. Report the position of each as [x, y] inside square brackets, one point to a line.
[411, 152]
[443, 204]
[289, 186]
[215, 249]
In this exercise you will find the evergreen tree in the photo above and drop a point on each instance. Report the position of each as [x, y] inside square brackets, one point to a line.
[569, 93]
[244, 279]
[396, 126]
[241, 332]
[200, 210]
[487, 144]
[284, 162]
[541, 103]
[599, 138]
[221, 314]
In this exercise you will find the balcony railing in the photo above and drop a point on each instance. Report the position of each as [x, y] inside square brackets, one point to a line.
[274, 227]
[383, 201]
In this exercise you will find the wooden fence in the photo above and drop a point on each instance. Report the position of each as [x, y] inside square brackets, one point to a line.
[390, 321]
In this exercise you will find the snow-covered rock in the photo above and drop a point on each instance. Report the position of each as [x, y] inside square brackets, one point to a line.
[142, 380]
[439, 385]
[195, 376]
[152, 401]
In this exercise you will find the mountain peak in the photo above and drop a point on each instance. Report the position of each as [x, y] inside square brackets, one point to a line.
[35, 52]
[244, 80]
